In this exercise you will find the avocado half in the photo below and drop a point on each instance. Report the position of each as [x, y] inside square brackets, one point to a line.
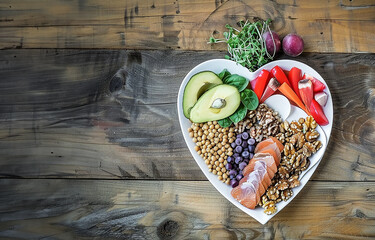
[197, 85]
[217, 103]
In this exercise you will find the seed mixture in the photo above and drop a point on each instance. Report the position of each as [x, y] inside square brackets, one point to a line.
[223, 150]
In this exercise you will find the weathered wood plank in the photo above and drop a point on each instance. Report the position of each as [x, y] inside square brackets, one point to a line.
[176, 210]
[339, 26]
[112, 114]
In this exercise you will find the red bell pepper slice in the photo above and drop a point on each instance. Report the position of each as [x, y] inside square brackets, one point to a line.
[279, 74]
[306, 92]
[295, 75]
[271, 88]
[318, 86]
[259, 83]
[318, 114]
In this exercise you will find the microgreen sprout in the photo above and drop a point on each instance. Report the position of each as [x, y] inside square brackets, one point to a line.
[247, 46]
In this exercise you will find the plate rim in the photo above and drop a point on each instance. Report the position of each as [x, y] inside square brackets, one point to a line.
[250, 75]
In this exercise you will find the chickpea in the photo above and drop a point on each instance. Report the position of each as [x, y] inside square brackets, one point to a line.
[195, 140]
[219, 173]
[220, 177]
[214, 171]
[221, 159]
[217, 163]
[191, 134]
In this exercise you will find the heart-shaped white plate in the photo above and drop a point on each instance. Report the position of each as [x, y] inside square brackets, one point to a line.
[216, 66]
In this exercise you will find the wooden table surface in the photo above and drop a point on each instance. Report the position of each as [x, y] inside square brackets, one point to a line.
[90, 144]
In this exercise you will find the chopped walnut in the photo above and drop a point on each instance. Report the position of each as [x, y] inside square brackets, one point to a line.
[311, 136]
[300, 142]
[308, 149]
[282, 184]
[286, 194]
[283, 172]
[272, 193]
[293, 181]
[270, 208]
[295, 127]
[280, 137]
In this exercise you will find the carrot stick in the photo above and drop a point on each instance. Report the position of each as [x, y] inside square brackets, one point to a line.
[289, 93]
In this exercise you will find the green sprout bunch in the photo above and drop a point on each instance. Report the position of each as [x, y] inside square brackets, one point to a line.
[247, 46]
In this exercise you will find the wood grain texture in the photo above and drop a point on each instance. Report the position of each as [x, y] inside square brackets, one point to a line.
[326, 26]
[82, 209]
[112, 114]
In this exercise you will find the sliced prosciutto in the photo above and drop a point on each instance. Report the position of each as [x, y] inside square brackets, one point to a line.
[251, 187]
[258, 173]
[267, 142]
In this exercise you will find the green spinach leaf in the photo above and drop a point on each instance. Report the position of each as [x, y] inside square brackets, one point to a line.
[239, 114]
[224, 123]
[237, 81]
[224, 74]
[249, 99]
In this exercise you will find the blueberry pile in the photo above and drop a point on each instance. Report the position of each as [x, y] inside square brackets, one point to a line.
[243, 149]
